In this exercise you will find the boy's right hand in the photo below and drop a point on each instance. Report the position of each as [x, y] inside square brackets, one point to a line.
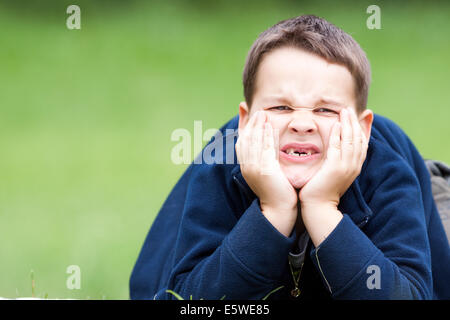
[257, 152]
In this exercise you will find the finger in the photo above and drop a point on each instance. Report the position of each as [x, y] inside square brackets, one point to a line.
[258, 122]
[364, 147]
[241, 145]
[268, 137]
[257, 135]
[347, 137]
[250, 124]
[276, 142]
[257, 118]
[334, 144]
[245, 141]
[253, 152]
[357, 138]
[241, 151]
[268, 153]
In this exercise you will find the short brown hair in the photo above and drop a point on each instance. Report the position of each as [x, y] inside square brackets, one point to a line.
[314, 35]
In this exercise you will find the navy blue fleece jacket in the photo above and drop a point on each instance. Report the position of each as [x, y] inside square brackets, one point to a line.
[211, 240]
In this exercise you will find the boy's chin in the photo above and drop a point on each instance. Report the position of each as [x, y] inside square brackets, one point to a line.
[299, 180]
[298, 183]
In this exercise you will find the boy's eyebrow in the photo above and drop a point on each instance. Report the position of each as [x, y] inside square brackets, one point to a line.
[331, 102]
[277, 99]
[283, 100]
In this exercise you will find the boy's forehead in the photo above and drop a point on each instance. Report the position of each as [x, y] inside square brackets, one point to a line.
[287, 74]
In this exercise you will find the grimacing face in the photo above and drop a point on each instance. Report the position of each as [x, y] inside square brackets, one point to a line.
[302, 95]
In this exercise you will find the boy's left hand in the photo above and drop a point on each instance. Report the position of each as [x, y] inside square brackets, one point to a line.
[346, 153]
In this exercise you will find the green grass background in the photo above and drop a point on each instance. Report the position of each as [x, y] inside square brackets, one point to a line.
[86, 116]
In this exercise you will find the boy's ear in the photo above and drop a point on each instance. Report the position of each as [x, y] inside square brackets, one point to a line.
[244, 115]
[366, 120]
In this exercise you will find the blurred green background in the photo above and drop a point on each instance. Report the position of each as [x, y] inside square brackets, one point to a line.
[86, 116]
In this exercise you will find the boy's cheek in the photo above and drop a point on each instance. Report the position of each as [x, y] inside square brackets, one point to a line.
[326, 138]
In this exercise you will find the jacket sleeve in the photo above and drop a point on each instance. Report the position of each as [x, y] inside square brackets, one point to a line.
[218, 254]
[390, 257]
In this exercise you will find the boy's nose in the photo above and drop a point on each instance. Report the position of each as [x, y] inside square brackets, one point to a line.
[302, 123]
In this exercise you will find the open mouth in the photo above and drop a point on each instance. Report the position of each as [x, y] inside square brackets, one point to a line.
[300, 151]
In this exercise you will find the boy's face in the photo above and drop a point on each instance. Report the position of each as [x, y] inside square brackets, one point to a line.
[302, 95]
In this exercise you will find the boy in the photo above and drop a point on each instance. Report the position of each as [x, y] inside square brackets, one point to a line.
[319, 206]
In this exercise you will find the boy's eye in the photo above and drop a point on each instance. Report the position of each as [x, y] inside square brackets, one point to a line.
[280, 108]
[326, 110]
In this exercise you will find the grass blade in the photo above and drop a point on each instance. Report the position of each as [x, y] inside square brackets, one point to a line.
[175, 294]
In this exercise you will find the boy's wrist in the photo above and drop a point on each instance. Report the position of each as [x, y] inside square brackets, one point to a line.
[287, 212]
[318, 205]
[320, 219]
[282, 218]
